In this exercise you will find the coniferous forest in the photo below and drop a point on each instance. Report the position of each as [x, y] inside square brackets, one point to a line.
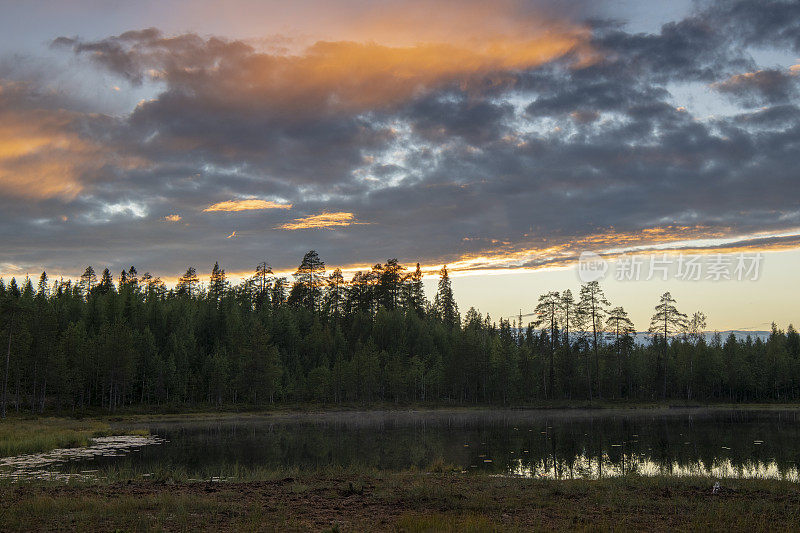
[124, 341]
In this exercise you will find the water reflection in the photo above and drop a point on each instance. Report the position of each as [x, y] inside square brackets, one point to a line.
[584, 467]
[542, 444]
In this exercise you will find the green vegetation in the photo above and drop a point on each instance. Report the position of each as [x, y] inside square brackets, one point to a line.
[18, 436]
[134, 345]
[411, 501]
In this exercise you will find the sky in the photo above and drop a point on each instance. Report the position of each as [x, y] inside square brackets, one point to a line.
[501, 139]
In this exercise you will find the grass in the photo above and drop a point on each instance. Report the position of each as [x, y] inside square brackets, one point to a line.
[21, 436]
[407, 501]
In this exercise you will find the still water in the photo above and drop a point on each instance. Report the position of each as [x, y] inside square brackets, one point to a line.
[546, 444]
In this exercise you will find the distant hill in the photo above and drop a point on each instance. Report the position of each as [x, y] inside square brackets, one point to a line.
[642, 337]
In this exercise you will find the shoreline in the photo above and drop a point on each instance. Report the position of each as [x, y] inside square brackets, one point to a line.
[317, 409]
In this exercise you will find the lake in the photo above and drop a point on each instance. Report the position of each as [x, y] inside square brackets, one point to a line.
[558, 444]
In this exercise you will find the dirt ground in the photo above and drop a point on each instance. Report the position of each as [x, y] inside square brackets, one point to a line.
[411, 502]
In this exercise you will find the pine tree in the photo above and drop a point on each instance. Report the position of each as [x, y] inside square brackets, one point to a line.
[335, 294]
[88, 280]
[133, 279]
[547, 315]
[593, 305]
[567, 314]
[667, 319]
[390, 284]
[309, 280]
[696, 326]
[622, 330]
[696, 329]
[187, 282]
[278, 293]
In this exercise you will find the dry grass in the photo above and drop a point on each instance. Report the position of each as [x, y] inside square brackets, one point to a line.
[21, 436]
[405, 502]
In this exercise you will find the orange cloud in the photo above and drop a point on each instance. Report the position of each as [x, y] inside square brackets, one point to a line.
[390, 55]
[38, 157]
[251, 204]
[41, 156]
[322, 220]
[540, 253]
[352, 76]
[172, 218]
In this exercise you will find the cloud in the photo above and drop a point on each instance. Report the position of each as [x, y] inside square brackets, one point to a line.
[322, 220]
[232, 235]
[42, 151]
[391, 56]
[250, 204]
[482, 136]
[173, 218]
[770, 86]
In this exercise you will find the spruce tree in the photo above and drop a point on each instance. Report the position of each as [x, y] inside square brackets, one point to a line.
[445, 303]
[218, 283]
[106, 284]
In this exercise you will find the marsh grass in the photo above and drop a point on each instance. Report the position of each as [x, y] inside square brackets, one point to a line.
[23, 436]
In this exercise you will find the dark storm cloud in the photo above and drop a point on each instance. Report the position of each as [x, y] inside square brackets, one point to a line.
[762, 23]
[495, 159]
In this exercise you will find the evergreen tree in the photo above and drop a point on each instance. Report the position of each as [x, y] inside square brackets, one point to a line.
[187, 282]
[547, 315]
[593, 306]
[218, 283]
[278, 293]
[390, 284]
[696, 326]
[43, 288]
[667, 319]
[334, 302]
[308, 281]
[368, 340]
[621, 329]
[88, 280]
[106, 284]
[414, 293]
[567, 312]
[445, 303]
[263, 278]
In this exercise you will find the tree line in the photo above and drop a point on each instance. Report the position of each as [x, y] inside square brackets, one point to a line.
[134, 342]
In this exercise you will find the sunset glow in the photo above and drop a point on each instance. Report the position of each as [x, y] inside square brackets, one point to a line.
[502, 138]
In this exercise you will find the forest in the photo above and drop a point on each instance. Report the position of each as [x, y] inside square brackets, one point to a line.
[132, 342]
